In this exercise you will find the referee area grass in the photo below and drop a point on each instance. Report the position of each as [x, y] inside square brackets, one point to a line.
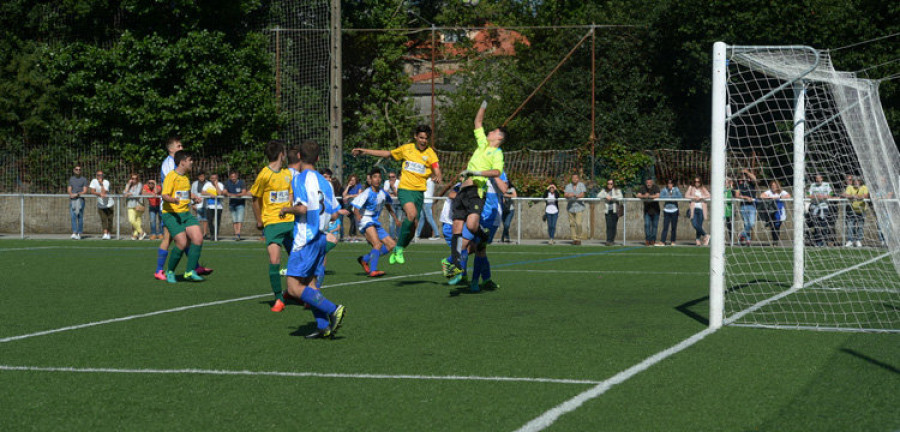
[90, 341]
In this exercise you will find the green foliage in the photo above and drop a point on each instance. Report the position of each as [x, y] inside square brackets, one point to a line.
[626, 167]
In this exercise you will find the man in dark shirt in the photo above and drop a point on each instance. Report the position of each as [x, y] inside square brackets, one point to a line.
[78, 186]
[649, 192]
[237, 193]
[746, 194]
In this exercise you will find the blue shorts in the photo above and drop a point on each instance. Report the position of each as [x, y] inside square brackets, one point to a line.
[378, 229]
[201, 214]
[447, 229]
[237, 213]
[304, 262]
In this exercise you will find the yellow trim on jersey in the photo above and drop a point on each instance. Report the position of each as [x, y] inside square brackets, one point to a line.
[274, 192]
[177, 186]
[416, 166]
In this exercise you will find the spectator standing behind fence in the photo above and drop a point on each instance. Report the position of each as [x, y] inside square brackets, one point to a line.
[778, 213]
[237, 193]
[508, 210]
[151, 188]
[819, 213]
[135, 205]
[390, 188]
[350, 192]
[214, 190]
[100, 187]
[670, 211]
[551, 210]
[856, 193]
[427, 213]
[699, 195]
[200, 207]
[78, 186]
[729, 195]
[612, 208]
[746, 193]
[649, 192]
[574, 192]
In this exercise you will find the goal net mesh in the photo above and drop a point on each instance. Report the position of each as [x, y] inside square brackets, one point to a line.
[850, 257]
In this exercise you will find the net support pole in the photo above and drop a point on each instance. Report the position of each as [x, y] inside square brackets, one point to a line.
[799, 180]
[336, 137]
[717, 184]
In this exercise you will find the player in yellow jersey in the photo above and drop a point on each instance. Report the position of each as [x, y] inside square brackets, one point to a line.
[271, 192]
[177, 217]
[419, 162]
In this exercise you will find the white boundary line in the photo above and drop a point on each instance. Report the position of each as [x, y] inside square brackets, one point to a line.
[295, 374]
[548, 418]
[603, 272]
[184, 308]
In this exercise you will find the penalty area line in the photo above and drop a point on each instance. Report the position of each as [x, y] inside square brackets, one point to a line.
[549, 417]
[296, 374]
[189, 307]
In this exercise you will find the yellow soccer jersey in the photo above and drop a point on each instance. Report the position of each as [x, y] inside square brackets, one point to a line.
[178, 186]
[416, 166]
[485, 158]
[274, 192]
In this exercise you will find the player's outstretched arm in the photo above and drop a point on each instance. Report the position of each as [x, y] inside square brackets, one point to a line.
[297, 210]
[371, 152]
[479, 118]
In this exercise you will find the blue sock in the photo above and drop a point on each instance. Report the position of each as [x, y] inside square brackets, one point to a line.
[478, 268]
[464, 260]
[316, 300]
[486, 269]
[161, 255]
[373, 262]
[384, 250]
[321, 319]
[320, 276]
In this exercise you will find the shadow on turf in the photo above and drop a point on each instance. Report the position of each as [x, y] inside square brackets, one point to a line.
[464, 289]
[685, 308]
[871, 360]
[310, 327]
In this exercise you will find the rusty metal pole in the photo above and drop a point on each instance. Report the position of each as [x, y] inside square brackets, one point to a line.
[433, 78]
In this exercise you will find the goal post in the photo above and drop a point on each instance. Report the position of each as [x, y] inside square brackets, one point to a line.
[816, 249]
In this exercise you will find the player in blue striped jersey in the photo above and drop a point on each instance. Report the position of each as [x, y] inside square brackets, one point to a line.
[367, 208]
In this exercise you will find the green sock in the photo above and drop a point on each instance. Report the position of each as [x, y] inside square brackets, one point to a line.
[275, 280]
[193, 257]
[329, 246]
[406, 233]
[174, 257]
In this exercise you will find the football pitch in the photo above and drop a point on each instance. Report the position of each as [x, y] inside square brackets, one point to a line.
[575, 339]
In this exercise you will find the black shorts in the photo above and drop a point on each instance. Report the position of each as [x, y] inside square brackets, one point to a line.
[467, 202]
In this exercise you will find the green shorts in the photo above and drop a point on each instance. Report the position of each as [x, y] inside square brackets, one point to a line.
[415, 197]
[281, 233]
[176, 223]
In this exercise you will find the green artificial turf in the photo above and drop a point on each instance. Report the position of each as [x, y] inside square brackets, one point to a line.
[410, 355]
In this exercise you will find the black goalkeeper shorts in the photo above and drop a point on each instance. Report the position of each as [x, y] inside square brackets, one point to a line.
[467, 202]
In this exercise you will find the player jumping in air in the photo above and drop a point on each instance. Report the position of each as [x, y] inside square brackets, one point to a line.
[311, 195]
[367, 209]
[271, 192]
[486, 162]
[419, 162]
[177, 218]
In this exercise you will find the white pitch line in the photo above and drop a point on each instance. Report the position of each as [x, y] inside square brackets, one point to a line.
[184, 308]
[296, 374]
[548, 418]
[602, 272]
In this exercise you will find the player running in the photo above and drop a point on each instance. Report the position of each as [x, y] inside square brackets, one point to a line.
[419, 162]
[271, 192]
[367, 209]
[178, 220]
[311, 195]
[486, 162]
[173, 145]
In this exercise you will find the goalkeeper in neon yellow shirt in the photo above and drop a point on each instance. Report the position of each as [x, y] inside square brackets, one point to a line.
[271, 192]
[486, 161]
[177, 217]
[419, 163]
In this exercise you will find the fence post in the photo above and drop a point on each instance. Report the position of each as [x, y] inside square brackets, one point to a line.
[118, 216]
[22, 215]
[624, 222]
[518, 222]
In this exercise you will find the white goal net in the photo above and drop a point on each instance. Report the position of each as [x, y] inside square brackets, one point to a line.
[813, 242]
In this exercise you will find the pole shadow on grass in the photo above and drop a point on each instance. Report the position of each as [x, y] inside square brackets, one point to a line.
[871, 360]
[686, 307]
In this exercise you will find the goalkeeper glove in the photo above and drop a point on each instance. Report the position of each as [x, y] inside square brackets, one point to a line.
[484, 104]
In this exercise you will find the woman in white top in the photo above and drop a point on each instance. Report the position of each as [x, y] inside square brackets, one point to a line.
[551, 211]
[775, 193]
[699, 195]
